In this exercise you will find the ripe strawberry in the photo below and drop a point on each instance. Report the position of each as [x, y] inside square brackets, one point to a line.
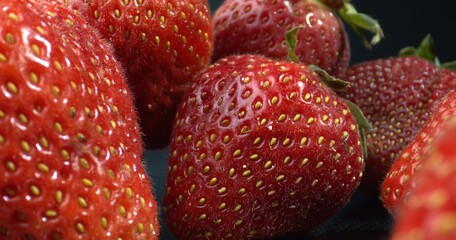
[430, 212]
[161, 45]
[70, 146]
[259, 27]
[260, 148]
[396, 94]
[400, 179]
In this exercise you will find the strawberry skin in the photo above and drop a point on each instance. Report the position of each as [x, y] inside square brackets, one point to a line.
[400, 179]
[70, 145]
[260, 148]
[430, 211]
[396, 95]
[161, 45]
[259, 27]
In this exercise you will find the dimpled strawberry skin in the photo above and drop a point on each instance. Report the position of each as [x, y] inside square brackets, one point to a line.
[259, 148]
[70, 146]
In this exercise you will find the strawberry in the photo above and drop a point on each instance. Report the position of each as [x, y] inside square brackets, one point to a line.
[161, 45]
[259, 27]
[396, 94]
[70, 145]
[430, 211]
[400, 179]
[259, 148]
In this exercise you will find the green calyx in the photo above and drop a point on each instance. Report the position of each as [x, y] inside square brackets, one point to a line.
[361, 22]
[427, 50]
[362, 123]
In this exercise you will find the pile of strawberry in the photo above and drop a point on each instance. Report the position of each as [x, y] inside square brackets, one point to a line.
[270, 130]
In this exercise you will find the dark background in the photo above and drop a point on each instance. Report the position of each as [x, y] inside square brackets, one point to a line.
[405, 23]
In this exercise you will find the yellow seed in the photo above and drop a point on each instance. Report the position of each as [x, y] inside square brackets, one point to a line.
[58, 66]
[9, 38]
[25, 146]
[310, 120]
[237, 207]
[58, 127]
[246, 173]
[129, 192]
[304, 161]
[280, 177]
[281, 117]
[58, 196]
[213, 181]
[259, 183]
[307, 96]
[80, 227]
[84, 163]
[50, 213]
[87, 182]
[254, 156]
[35, 190]
[202, 217]
[104, 222]
[192, 188]
[217, 156]
[10, 166]
[11, 87]
[231, 172]
[222, 190]
[258, 105]
[13, 17]
[82, 202]
[320, 140]
[36, 50]
[297, 117]
[3, 58]
[2, 139]
[273, 141]
[122, 211]
[42, 167]
[274, 100]
[65, 155]
[344, 134]
[106, 193]
[201, 201]
[237, 153]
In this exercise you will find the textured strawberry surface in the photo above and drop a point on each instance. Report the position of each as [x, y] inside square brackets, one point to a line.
[70, 145]
[259, 148]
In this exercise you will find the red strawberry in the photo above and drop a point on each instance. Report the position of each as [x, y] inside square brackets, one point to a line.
[161, 45]
[259, 27]
[70, 146]
[396, 94]
[400, 179]
[430, 212]
[260, 148]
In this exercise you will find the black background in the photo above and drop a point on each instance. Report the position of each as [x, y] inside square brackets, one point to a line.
[405, 23]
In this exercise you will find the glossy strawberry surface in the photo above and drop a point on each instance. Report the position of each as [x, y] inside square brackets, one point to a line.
[161, 45]
[260, 148]
[396, 95]
[430, 211]
[400, 179]
[259, 27]
[70, 145]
